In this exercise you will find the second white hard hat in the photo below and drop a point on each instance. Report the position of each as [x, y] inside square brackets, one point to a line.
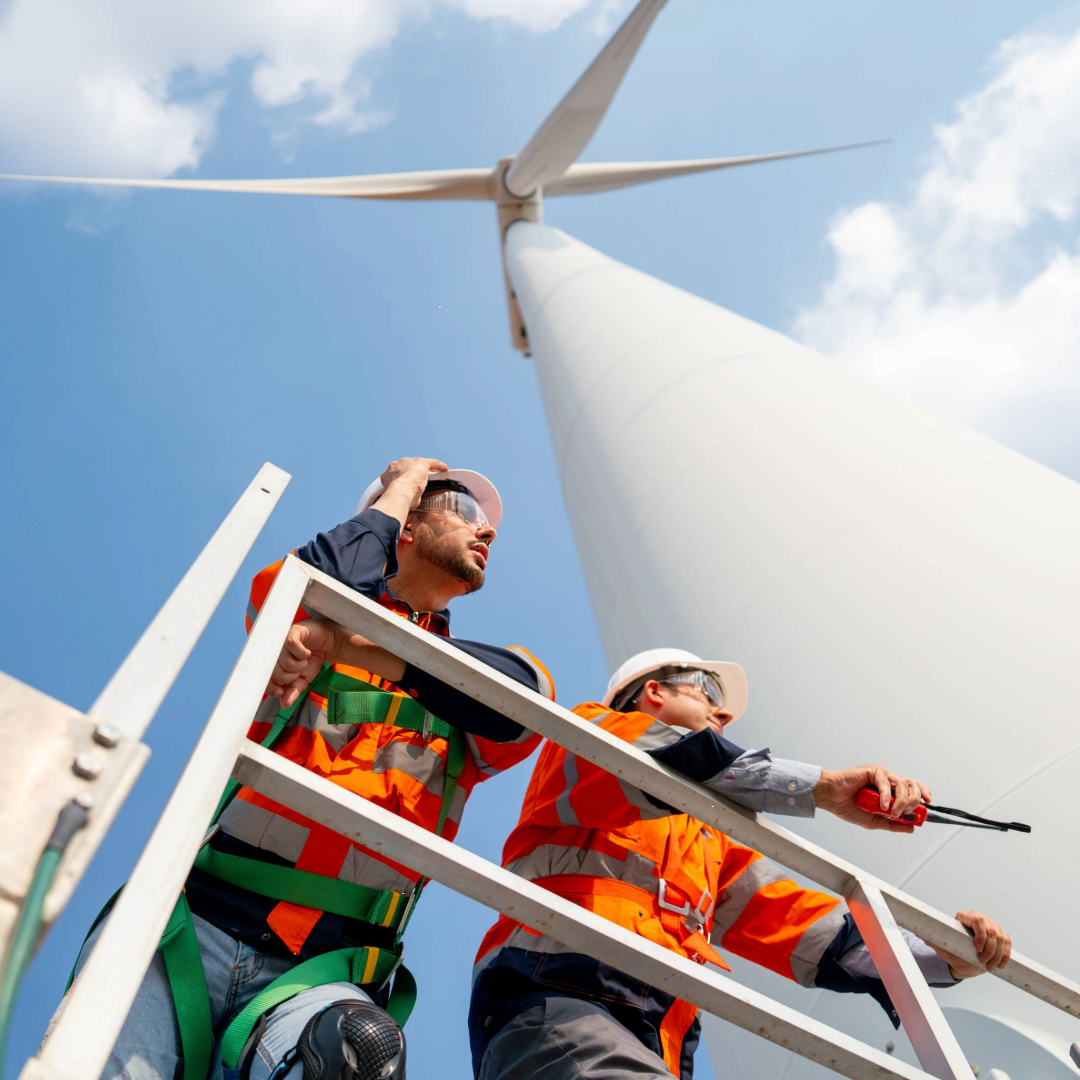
[478, 485]
[731, 677]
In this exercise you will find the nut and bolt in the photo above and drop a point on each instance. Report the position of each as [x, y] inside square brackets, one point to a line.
[88, 766]
[85, 800]
[107, 735]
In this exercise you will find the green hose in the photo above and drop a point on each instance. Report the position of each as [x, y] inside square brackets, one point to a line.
[72, 818]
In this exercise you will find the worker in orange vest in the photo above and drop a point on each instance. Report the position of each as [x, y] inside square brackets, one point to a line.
[539, 1009]
[283, 955]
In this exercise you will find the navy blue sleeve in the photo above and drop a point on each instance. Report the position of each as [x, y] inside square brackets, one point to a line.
[360, 553]
[458, 708]
[831, 976]
[699, 756]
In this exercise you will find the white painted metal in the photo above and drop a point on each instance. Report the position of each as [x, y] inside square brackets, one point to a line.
[41, 738]
[102, 995]
[897, 587]
[1017, 1049]
[571, 124]
[101, 998]
[592, 178]
[434, 184]
[388, 835]
[140, 684]
[935, 1045]
[458, 669]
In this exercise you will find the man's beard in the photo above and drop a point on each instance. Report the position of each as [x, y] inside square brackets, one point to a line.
[440, 552]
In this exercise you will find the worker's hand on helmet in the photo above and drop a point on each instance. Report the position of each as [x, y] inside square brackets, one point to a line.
[404, 482]
[836, 792]
[993, 945]
[307, 647]
[411, 475]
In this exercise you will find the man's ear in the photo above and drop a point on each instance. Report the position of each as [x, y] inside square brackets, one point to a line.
[650, 692]
[406, 536]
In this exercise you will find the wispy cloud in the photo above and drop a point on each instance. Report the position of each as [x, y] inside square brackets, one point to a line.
[608, 15]
[965, 294]
[124, 87]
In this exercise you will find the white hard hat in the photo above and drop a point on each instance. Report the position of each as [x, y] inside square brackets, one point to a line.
[479, 486]
[731, 677]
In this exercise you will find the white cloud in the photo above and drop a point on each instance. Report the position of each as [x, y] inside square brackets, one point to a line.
[125, 87]
[966, 294]
[608, 16]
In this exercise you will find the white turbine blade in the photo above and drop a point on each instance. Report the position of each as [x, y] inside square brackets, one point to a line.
[570, 126]
[589, 179]
[441, 184]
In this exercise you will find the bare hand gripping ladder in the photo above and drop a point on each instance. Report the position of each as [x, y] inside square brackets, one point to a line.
[101, 997]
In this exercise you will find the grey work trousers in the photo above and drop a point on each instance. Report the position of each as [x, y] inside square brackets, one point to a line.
[568, 1039]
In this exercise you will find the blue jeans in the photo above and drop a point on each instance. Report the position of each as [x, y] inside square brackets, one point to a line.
[149, 1044]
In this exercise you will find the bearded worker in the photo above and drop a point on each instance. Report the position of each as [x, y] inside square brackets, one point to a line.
[279, 956]
[541, 1010]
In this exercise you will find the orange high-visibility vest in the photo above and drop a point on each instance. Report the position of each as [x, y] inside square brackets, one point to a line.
[601, 843]
[394, 767]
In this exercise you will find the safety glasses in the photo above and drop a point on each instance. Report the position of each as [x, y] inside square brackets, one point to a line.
[708, 684]
[453, 502]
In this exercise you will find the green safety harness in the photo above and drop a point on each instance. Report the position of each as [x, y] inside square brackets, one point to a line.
[349, 701]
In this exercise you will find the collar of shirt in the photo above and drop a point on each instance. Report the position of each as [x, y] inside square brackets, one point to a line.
[438, 622]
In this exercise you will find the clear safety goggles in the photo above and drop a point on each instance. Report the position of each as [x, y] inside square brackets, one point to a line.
[453, 502]
[707, 683]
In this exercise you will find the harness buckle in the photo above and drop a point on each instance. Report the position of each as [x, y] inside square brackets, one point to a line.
[696, 919]
[404, 920]
[427, 725]
[390, 974]
[663, 902]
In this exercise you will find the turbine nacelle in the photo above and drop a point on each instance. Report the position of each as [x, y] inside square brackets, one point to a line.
[547, 166]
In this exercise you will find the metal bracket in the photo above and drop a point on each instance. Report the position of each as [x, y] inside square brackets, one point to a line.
[38, 776]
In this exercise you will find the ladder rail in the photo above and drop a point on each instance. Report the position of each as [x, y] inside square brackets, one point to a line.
[139, 685]
[931, 1037]
[99, 754]
[82, 1039]
[102, 995]
[469, 874]
[498, 691]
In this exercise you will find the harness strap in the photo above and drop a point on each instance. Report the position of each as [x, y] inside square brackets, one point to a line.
[378, 906]
[362, 966]
[572, 886]
[187, 982]
[350, 701]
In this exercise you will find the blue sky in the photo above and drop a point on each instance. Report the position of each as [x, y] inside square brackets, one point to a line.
[156, 348]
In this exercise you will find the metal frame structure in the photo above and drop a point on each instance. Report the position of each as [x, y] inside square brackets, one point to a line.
[95, 758]
[81, 1041]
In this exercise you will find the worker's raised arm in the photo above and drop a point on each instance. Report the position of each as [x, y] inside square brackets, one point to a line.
[693, 703]
[580, 793]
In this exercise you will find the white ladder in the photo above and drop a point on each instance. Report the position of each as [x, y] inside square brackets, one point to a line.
[80, 1043]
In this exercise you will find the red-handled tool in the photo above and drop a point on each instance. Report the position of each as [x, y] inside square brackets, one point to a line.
[869, 800]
